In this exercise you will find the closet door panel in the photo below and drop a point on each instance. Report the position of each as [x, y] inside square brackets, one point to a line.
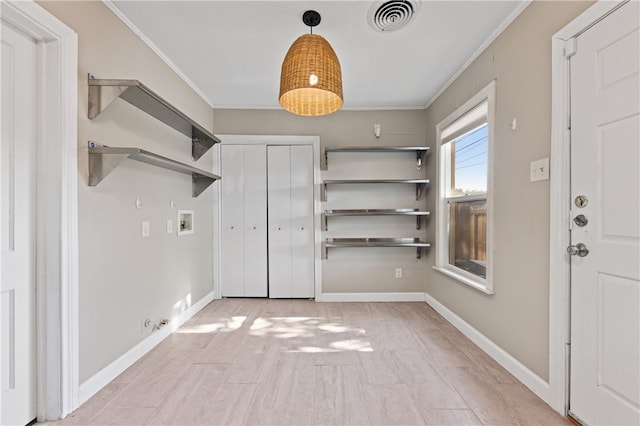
[232, 268]
[279, 211]
[302, 236]
[255, 221]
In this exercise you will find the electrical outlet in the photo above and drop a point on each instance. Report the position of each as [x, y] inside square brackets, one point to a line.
[169, 226]
[398, 272]
[146, 327]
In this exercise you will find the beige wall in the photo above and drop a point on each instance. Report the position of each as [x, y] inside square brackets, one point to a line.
[356, 270]
[123, 277]
[517, 317]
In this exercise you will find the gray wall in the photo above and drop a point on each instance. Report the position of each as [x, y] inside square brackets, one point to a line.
[516, 318]
[124, 277]
[357, 270]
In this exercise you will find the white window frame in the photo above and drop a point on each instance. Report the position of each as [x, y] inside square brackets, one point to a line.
[442, 265]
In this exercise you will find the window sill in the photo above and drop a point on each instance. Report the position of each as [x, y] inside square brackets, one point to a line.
[465, 280]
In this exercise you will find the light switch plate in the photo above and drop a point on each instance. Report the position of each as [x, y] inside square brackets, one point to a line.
[169, 226]
[539, 170]
[145, 228]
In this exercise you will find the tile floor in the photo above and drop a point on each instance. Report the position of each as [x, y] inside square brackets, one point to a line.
[297, 362]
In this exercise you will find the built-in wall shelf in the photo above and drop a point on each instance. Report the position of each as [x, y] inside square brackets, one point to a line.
[103, 92]
[421, 152]
[103, 160]
[420, 215]
[374, 242]
[420, 184]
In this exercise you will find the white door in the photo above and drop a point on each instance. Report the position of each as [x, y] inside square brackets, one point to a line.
[244, 221]
[605, 284]
[255, 221]
[232, 206]
[302, 244]
[291, 234]
[279, 218]
[17, 230]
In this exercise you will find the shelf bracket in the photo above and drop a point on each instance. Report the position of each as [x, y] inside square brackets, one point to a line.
[199, 183]
[325, 251]
[100, 166]
[419, 190]
[323, 192]
[200, 143]
[323, 222]
[100, 97]
[420, 158]
[418, 222]
[419, 252]
[325, 165]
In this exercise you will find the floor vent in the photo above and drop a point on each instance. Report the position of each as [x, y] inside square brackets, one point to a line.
[392, 15]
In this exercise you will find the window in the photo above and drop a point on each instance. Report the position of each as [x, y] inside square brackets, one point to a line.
[464, 223]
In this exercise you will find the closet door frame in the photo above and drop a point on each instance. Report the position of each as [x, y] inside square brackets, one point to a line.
[313, 141]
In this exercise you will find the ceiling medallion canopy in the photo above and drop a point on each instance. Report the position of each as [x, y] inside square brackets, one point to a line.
[311, 78]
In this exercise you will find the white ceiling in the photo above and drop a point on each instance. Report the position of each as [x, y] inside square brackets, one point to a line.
[232, 51]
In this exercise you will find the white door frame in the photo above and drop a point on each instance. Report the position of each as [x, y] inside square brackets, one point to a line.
[560, 194]
[314, 141]
[56, 206]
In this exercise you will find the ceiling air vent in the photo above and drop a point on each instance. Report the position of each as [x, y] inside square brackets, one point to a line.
[385, 16]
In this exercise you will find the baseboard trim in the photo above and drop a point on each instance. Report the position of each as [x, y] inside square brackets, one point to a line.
[91, 386]
[371, 297]
[512, 365]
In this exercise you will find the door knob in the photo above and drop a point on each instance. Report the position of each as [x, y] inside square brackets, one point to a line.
[579, 250]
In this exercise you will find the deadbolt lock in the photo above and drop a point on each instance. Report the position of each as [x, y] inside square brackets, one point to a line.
[581, 201]
[580, 220]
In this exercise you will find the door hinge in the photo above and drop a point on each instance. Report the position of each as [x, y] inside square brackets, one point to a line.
[570, 47]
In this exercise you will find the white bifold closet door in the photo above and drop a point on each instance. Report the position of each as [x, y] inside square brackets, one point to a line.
[290, 221]
[244, 221]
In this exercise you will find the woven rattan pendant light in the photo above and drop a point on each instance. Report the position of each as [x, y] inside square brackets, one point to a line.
[311, 79]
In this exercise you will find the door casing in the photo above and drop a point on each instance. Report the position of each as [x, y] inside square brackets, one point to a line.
[560, 194]
[56, 212]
